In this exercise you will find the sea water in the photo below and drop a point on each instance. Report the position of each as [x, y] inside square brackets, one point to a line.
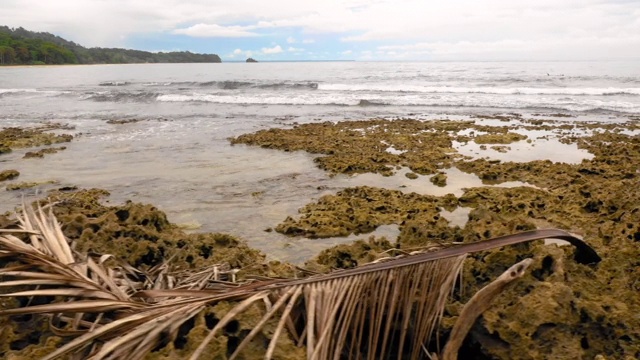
[179, 157]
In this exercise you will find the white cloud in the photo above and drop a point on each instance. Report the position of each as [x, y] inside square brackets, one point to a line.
[549, 29]
[559, 48]
[293, 49]
[347, 52]
[214, 30]
[239, 53]
[274, 50]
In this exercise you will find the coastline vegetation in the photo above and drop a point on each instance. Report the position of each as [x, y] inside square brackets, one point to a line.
[24, 47]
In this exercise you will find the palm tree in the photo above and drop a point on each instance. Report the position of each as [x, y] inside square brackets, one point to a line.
[111, 310]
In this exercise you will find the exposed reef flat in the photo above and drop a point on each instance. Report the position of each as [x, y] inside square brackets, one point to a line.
[141, 235]
[45, 134]
[40, 153]
[9, 174]
[15, 138]
[562, 310]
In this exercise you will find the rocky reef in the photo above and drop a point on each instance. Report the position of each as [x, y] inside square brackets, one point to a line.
[14, 138]
[562, 309]
[23, 138]
[9, 174]
[40, 153]
[27, 184]
[142, 236]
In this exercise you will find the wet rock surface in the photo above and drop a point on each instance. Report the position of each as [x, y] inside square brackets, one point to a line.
[27, 184]
[141, 235]
[361, 146]
[15, 138]
[40, 153]
[562, 309]
[9, 174]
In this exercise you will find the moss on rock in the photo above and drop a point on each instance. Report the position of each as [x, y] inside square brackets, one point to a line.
[562, 309]
[9, 174]
[142, 235]
[40, 153]
[358, 210]
[28, 184]
[13, 137]
[439, 179]
[506, 138]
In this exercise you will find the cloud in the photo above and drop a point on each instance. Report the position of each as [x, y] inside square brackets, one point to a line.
[293, 49]
[239, 53]
[560, 48]
[347, 52]
[274, 50]
[214, 30]
[550, 29]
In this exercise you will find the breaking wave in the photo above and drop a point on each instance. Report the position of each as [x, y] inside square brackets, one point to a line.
[118, 96]
[114, 83]
[30, 93]
[354, 99]
[479, 90]
[237, 85]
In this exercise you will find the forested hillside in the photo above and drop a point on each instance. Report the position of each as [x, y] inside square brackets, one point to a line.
[20, 46]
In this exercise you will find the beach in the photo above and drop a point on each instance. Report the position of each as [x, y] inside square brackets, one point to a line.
[326, 173]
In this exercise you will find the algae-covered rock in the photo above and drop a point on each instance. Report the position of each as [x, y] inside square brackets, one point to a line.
[562, 309]
[13, 138]
[361, 146]
[28, 184]
[142, 236]
[506, 138]
[357, 210]
[501, 148]
[40, 153]
[439, 179]
[193, 332]
[9, 174]
[411, 175]
[347, 256]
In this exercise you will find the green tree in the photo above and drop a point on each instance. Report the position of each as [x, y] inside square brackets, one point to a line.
[7, 54]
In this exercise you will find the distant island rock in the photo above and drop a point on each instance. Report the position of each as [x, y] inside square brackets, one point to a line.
[251, 60]
[24, 47]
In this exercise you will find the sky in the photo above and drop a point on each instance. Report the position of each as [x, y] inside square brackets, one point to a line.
[362, 30]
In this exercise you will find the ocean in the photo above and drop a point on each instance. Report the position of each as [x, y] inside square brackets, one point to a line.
[178, 156]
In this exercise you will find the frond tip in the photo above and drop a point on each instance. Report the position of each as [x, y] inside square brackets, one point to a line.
[381, 310]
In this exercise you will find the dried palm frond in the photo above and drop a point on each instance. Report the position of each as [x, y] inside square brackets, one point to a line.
[387, 309]
[480, 302]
